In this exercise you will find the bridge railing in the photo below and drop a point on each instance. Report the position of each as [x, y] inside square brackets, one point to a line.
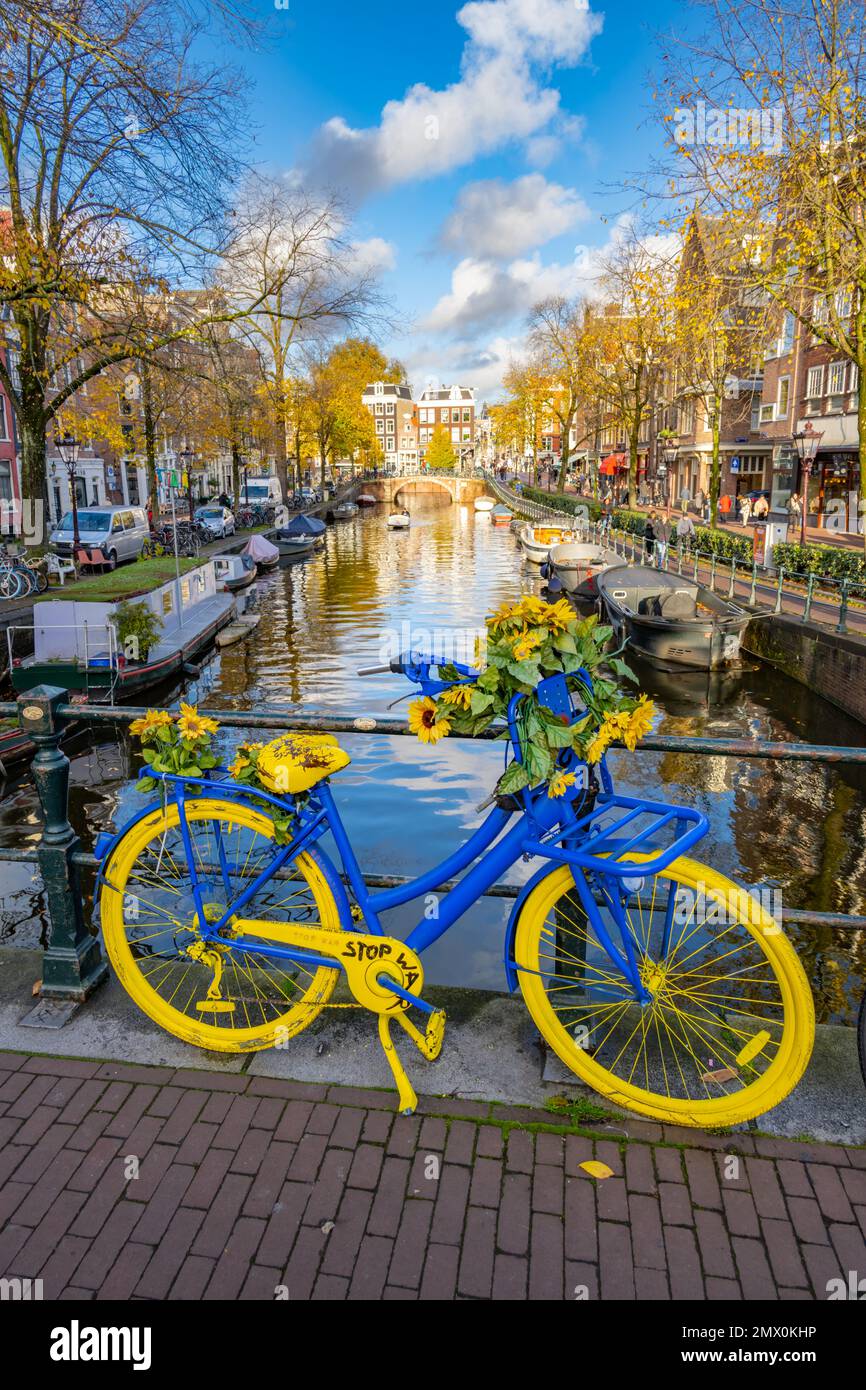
[73, 965]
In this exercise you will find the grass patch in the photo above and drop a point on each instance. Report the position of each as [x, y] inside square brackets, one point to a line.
[127, 581]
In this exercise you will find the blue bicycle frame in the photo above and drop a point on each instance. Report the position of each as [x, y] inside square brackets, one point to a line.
[606, 848]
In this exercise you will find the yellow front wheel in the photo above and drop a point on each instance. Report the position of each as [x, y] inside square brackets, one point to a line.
[726, 1025]
[208, 992]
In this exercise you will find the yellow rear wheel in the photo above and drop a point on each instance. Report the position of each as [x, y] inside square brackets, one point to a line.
[728, 1029]
[211, 994]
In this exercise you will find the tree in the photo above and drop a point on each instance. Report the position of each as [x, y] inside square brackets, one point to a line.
[781, 91]
[112, 171]
[558, 336]
[298, 282]
[340, 423]
[440, 451]
[529, 388]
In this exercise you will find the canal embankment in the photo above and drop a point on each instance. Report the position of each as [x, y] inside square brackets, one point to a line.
[491, 1052]
[831, 664]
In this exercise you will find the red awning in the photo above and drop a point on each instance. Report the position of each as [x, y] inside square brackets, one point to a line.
[612, 464]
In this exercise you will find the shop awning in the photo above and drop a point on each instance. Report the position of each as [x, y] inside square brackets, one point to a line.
[612, 464]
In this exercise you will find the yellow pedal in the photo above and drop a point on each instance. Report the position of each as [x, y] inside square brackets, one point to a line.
[215, 1006]
[429, 1044]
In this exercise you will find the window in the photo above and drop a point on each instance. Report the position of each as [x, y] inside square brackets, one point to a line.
[455, 417]
[4, 427]
[815, 382]
[389, 408]
[784, 393]
[786, 342]
[843, 304]
[378, 407]
[820, 308]
[836, 378]
[467, 414]
[853, 376]
[768, 413]
[755, 419]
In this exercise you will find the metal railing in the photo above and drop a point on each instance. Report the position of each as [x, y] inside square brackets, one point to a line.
[73, 965]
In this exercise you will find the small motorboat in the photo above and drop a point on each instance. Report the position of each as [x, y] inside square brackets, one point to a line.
[301, 528]
[670, 619]
[500, 515]
[346, 509]
[577, 564]
[234, 572]
[265, 555]
[536, 541]
[364, 499]
[244, 626]
[295, 547]
[485, 504]
[398, 521]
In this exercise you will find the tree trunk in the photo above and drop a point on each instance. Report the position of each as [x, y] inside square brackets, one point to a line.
[861, 451]
[564, 452]
[715, 468]
[633, 439]
[34, 513]
[149, 440]
[236, 473]
[281, 456]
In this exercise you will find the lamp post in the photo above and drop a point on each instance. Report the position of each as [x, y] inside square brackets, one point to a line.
[186, 457]
[670, 451]
[67, 447]
[807, 441]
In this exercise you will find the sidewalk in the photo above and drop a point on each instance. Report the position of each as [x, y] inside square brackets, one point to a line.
[254, 1187]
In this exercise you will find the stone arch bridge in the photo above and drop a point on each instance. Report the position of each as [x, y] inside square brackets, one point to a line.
[404, 486]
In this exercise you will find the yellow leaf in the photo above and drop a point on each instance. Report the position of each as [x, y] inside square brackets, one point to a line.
[596, 1169]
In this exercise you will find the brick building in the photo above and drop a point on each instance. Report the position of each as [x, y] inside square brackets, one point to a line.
[451, 407]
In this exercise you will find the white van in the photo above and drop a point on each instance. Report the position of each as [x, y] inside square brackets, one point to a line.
[261, 492]
[119, 532]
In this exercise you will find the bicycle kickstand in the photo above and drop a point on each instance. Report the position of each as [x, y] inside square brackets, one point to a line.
[429, 1044]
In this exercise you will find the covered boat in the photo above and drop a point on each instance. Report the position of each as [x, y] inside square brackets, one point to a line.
[536, 540]
[365, 499]
[670, 619]
[301, 528]
[262, 551]
[501, 515]
[577, 564]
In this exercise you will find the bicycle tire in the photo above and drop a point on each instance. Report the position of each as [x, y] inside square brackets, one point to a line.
[10, 585]
[861, 1038]
[149, 925]
[694, 1054]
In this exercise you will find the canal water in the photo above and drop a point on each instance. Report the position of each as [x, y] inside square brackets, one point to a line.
[796, 830]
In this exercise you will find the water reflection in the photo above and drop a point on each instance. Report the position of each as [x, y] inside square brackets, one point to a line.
[792, 826]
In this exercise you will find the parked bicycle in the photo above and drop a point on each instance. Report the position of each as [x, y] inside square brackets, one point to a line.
[662, 984]
[20, 578]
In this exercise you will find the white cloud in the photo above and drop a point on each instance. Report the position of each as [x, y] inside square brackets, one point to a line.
[498, 99]
[499, 220]
[373, 256]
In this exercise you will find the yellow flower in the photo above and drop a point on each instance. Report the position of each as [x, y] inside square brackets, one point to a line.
[640, 722]
[559, 615]
[193, 725]
[422, 721]
[560, 782]
[503, 614]
[458, 695]
[524, 644]
[237, 767]
[153, 720]
[531, 608]
[600, 744]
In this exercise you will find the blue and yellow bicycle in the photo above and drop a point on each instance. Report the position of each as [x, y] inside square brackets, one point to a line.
[661, 984]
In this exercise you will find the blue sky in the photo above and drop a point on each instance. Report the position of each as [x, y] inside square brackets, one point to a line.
[475, 146]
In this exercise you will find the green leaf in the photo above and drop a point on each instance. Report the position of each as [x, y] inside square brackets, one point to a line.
[526, 672]
[165, 733]
[481, 701]
[565, 642]
[489, 679]
[147, 784]
[623, 669]
[149, 755]
[513, 779]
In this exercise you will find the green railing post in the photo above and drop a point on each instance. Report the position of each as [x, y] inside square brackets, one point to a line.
[72, 964]
[713, 572]
[733, 576]
[779, 582]
[842, 625]
[807, 608]
[753, 593]
[695, 575]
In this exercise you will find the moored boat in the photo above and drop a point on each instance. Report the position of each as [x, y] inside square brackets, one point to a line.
[536, 540]
[398, 521]
[485, 504]
[346, 509]
[234, 572]
[301, 528]
[295, 547]
[577, 564]
[500, 515]
[670, 619]
[364, 499]
[243, 626]
[263, 552]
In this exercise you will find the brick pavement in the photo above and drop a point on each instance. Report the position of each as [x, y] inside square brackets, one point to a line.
[252, 1188]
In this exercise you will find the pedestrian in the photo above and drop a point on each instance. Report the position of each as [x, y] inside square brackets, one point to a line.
[662, 529]
[685, 498]
[745, 509]
[649, 538]
[795, 509]
[761, 508]
[724, 508]
[685, 533]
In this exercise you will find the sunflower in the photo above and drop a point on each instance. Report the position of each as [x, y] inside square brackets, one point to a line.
[423, 722]
[531, 608]
[193, 725]
[559, 615]
[503, 614]
[240, 762]
[154, 719]
[605, 736]
[524, 644]
[560, 782]
[458, 695]
[639, 723]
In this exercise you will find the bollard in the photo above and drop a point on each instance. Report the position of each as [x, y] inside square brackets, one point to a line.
[779, 582]
[842, 625]
[72, 963]
[807, 608]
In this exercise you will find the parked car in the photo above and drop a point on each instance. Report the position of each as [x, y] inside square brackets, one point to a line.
[218, 521]
[119, 532]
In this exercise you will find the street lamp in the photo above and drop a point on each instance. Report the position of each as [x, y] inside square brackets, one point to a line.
[67, 447]
[807, 442]
[670, 450]
[186, 457]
